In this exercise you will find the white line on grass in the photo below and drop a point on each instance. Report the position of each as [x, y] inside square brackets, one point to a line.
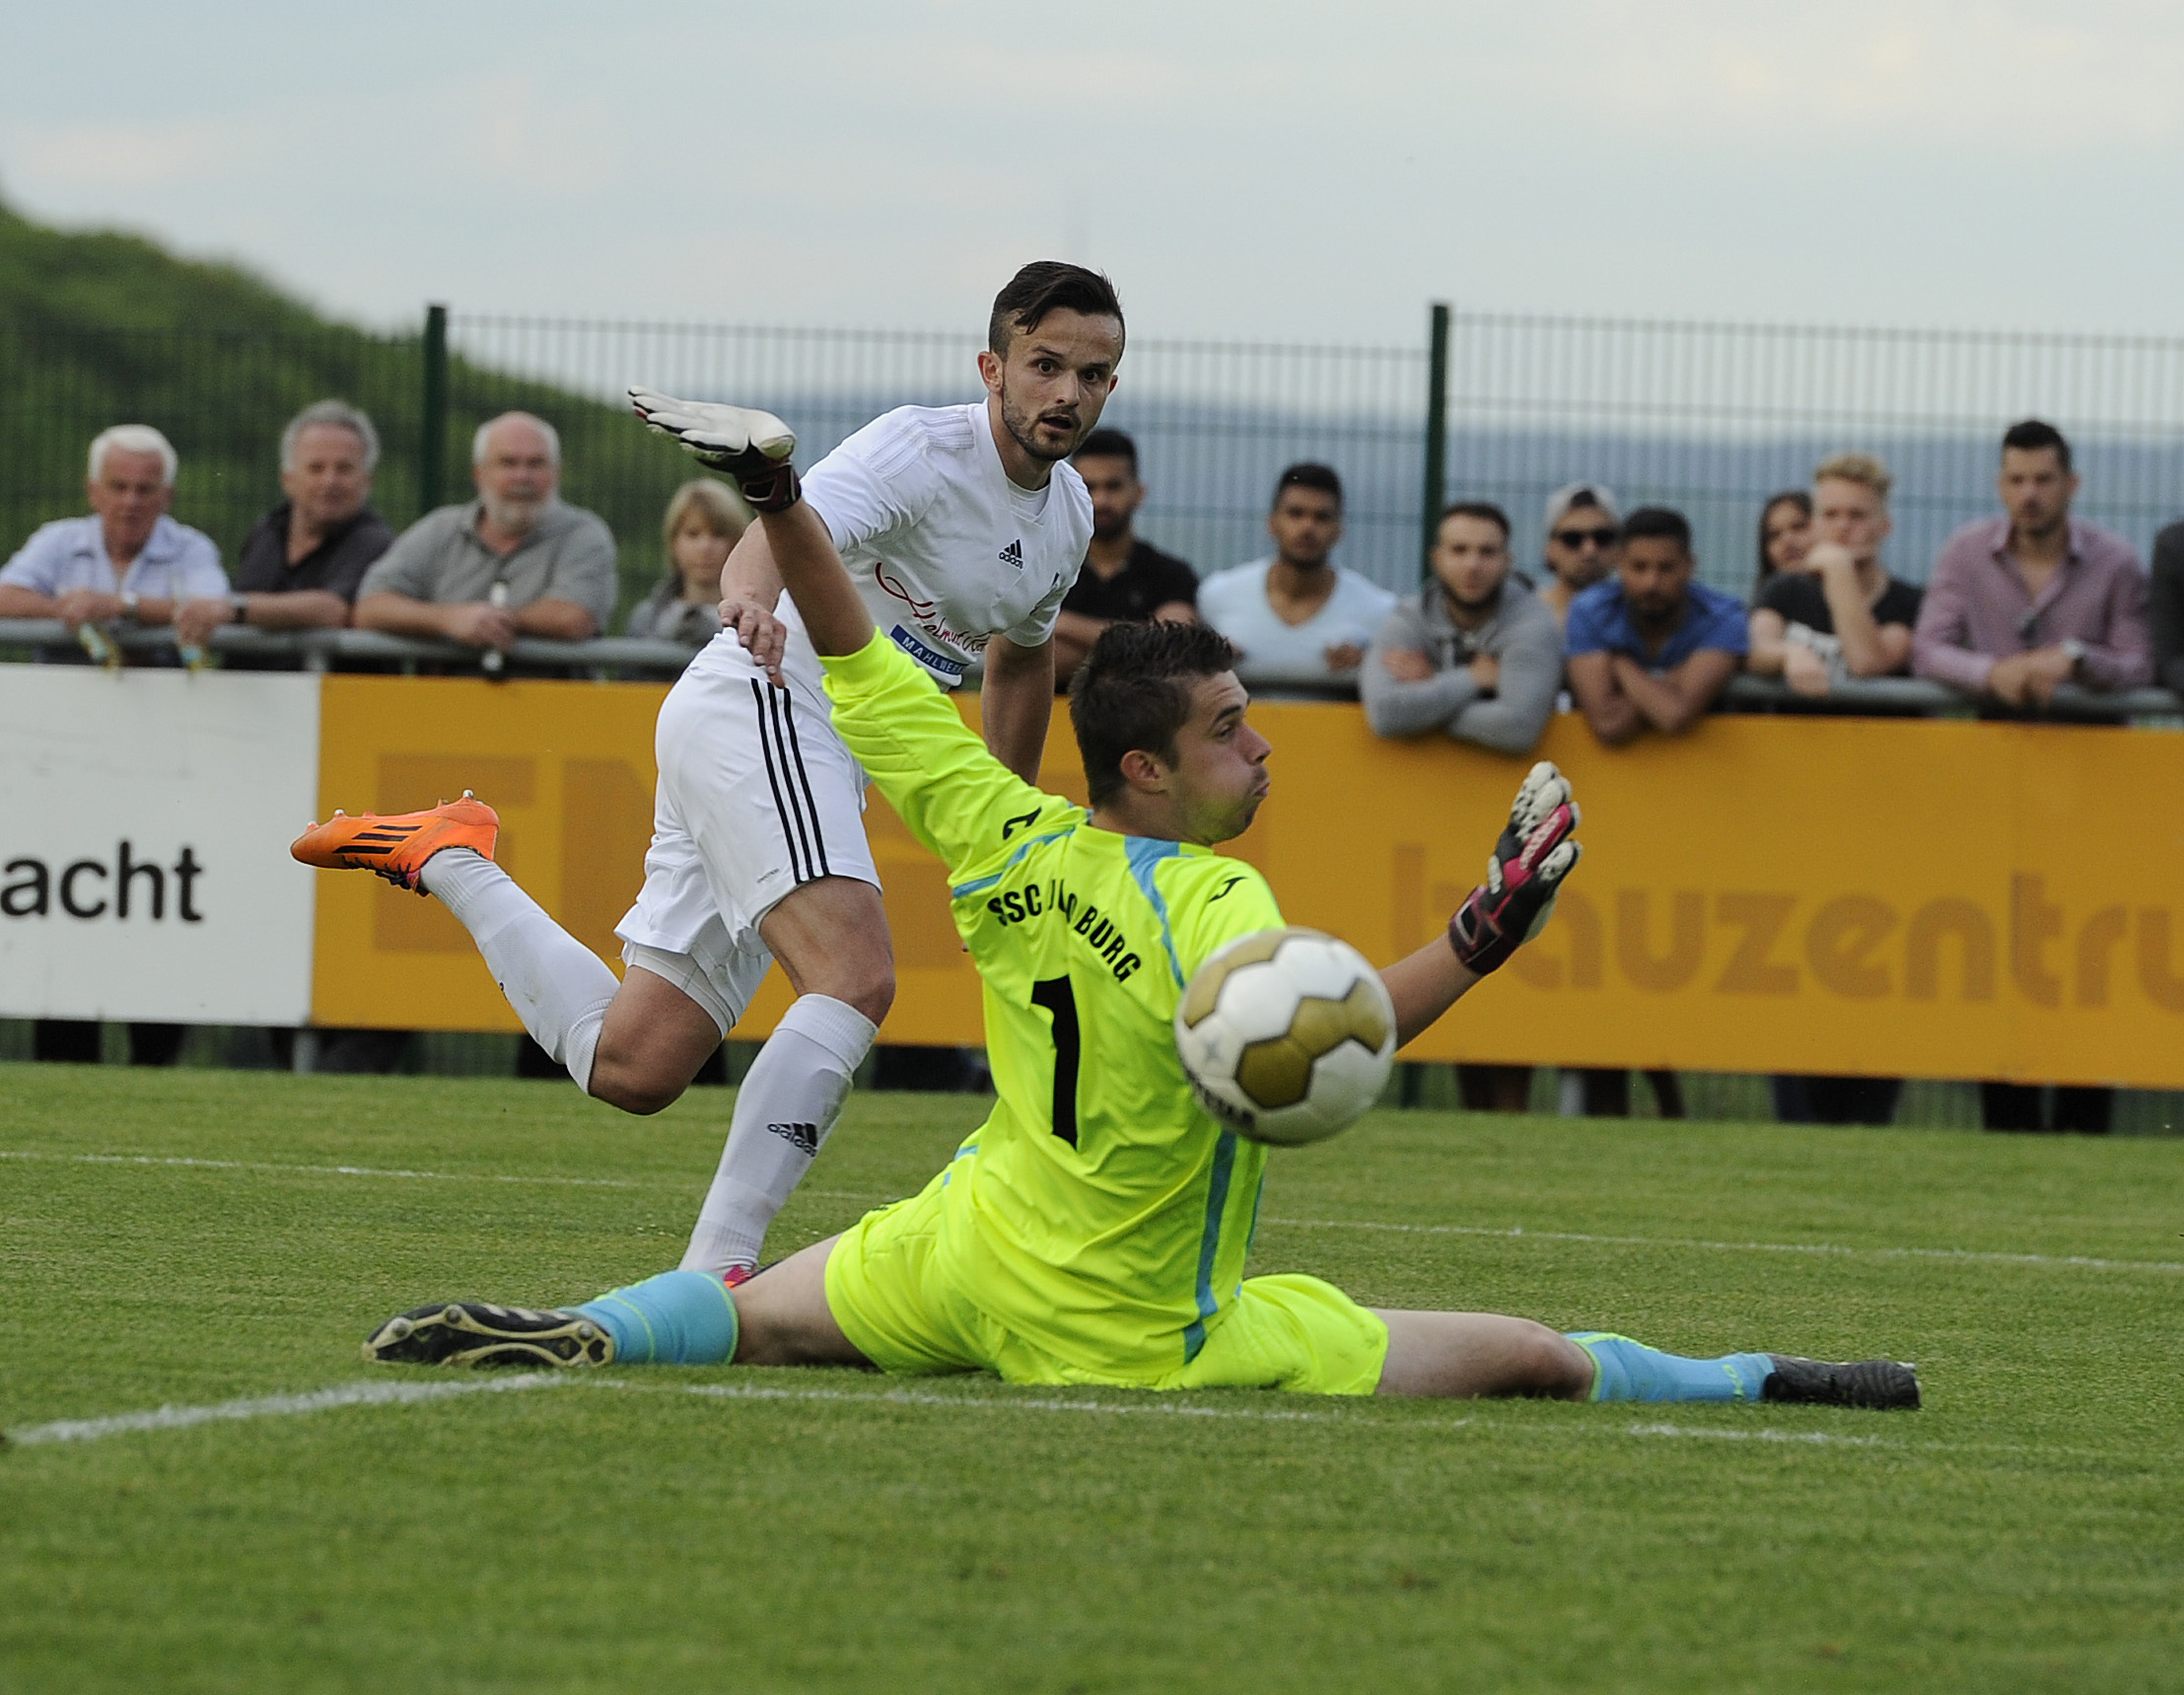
[408, 1393]
[1818, 1438]
[983, 1403]
[355, 1395]
[2075, 1262]
[396, 1173]
[336, 1171]
[1977, 1256]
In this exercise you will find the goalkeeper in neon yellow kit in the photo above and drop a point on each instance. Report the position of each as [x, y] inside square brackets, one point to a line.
[1094, 1228]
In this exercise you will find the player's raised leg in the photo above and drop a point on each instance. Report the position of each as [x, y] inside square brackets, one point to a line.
[654, 1036]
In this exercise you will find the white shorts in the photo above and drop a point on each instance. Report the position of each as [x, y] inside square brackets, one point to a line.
[757, 796]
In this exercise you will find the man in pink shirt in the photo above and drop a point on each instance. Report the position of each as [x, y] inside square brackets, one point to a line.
[2020, 604]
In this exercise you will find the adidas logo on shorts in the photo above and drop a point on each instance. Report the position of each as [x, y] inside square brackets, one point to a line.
[1012, 554]
[805, 1136]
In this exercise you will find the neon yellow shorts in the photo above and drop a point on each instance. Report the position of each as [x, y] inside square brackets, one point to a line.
[893, 1298]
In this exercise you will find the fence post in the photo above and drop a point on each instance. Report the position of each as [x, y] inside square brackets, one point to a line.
[431, 434]
[1437, 438]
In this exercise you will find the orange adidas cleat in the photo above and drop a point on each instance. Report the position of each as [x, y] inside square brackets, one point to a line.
[397, 847]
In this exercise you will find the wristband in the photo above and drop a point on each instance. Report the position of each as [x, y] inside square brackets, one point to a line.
[239, 605]
[130, 600]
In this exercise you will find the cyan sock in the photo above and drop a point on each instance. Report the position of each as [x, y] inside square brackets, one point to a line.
[1628, 1370]
[677, 1318]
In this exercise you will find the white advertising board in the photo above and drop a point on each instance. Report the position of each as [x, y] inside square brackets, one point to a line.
[145, 817]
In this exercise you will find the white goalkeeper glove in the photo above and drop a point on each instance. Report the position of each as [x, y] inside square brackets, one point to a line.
[751, 447]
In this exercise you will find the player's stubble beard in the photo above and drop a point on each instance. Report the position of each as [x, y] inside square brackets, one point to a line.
[1023, 427]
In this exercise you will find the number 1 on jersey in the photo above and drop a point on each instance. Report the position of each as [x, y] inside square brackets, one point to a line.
[1061, 1005]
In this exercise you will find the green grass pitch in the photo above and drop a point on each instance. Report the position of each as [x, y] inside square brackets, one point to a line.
[187, 1239]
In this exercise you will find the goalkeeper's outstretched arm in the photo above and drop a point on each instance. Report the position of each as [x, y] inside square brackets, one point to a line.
[1523, 873]
[754, 448]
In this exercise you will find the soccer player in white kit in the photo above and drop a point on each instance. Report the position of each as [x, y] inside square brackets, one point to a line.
[962, 526]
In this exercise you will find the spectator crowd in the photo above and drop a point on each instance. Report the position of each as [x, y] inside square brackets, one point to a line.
[1613, 622]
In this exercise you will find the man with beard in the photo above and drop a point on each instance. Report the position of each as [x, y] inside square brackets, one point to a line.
[1476, 653]
[1126, 578]
[1652, 648]
[1298, 618]
[1583, 532]
[962, 528]
[553, 564]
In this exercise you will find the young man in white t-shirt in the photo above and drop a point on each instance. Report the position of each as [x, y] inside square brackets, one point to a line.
[1298, 618]
[962, 526]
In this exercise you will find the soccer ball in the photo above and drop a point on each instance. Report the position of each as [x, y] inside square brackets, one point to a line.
[1286, 1036]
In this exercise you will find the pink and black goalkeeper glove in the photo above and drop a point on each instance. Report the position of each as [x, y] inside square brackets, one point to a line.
[1523, 873]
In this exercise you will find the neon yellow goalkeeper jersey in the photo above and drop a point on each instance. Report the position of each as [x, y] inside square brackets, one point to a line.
[1100, 1212]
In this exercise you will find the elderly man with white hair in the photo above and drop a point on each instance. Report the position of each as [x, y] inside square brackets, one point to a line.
[300, 566]
[127, 559]
[554, 563]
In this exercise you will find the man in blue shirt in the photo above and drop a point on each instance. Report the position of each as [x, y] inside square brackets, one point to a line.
[1650, 648]
[127, 559]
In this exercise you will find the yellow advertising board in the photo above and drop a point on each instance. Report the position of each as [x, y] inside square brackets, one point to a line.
[1878, 895]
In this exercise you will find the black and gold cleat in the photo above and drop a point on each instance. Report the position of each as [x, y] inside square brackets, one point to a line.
[1880, 1384]
[480, 1333]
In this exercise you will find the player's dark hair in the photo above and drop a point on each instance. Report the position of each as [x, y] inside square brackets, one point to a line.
[1659, 521]
[1308, 476]
[1046, 286]
[1484, 510]
[1795, 497]
[1134, 692]
[1109, 445]
[2032, 435]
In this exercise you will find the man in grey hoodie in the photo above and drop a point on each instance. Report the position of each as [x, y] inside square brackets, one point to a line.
[1478, 654]
[1475, 652]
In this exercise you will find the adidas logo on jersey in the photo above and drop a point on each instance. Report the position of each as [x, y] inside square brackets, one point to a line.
[1012, 554]
[805, 1137]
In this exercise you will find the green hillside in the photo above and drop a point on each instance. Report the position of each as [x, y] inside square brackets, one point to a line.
[101, 328]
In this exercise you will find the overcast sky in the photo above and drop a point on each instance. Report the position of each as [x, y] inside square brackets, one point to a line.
[1262, 169]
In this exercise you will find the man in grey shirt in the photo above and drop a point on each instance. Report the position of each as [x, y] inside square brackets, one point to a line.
[553, 564]
[1477, 653]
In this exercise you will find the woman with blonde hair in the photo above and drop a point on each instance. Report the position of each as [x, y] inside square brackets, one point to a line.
[705, 519]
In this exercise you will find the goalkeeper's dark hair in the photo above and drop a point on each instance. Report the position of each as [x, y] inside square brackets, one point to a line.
[1047, 286]
[1133, 692]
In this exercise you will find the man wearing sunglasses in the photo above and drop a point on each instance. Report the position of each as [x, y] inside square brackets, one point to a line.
[1584, 538]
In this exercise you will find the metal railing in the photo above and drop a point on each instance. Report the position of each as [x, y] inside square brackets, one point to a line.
[337, 650]
[638, 657]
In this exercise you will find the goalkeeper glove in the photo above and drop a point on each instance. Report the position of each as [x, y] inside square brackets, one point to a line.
[1522, 875]
[751, 447]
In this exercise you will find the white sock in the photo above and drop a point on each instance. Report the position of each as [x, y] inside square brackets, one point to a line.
[557, 985]
[783, 1114]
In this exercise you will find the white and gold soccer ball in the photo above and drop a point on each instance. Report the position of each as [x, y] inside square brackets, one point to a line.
[1286, 1036]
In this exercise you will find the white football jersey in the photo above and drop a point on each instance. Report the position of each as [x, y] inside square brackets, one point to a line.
[946, 551]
